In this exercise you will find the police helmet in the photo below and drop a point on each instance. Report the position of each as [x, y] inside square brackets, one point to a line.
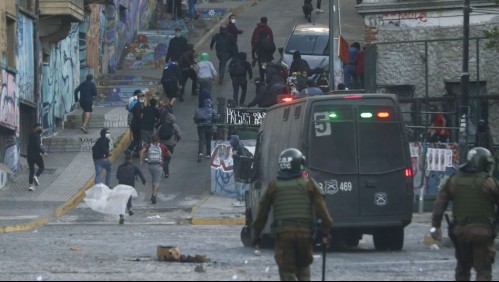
[292, 160]
[481, 159]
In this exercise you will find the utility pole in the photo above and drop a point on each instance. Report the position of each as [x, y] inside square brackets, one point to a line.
[464, 109]
[331, 45]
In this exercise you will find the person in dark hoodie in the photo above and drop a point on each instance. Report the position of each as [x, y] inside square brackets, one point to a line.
[483, 138]
[238, 69]
[204, 93]
[187, 64]
[171, 79]
[262, 98]
[35, 156]
[293, 195]
[224, 44]
[135, 145]
[205, 117]
[126, 174]
[263, 51]
[170, 143]
[176, 46]
[101, 151]
[238, 151]
[299, 65]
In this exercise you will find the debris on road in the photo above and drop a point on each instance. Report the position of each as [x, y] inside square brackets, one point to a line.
[172, 254]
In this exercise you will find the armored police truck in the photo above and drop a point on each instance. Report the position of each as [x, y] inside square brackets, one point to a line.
[357, 150]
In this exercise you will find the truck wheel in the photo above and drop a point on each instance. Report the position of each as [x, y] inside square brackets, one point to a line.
[246, 236]
[389, 239]
[352, 241]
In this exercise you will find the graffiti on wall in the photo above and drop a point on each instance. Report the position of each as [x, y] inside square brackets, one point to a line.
[9, 102]
[25, 59]
[222, 173]
[399, 19]
[61, 76]
[122, 23]
[11, 154]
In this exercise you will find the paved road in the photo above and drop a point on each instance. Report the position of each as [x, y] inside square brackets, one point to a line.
[100, 251]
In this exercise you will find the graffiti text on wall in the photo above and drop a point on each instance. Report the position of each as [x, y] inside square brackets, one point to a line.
[60, 77]
[242, 116]
[25, 60]
[396, 18]
[9, 101]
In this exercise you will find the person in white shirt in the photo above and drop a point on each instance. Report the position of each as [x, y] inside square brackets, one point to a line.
[206, 72]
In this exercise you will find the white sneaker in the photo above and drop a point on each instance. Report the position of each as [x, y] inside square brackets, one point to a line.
[238, 204]
[35, 180]
[31, 188]
[319, 11]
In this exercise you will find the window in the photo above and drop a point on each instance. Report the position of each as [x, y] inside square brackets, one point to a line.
[309, 44]
[11, 42]
[333, 145]
[286, 114]
[297, 112]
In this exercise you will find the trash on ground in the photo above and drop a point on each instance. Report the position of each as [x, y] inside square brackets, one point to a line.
[74, 249]
[172, 254]
[154, 216]
[257, 253]
[434, 247]
[267, 269]
[39, 278]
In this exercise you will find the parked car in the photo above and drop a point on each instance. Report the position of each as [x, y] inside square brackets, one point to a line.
[312, 41]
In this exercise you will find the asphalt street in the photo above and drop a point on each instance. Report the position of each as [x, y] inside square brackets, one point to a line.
[103, 251]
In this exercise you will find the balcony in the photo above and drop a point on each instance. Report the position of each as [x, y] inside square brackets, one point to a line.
[70, 10]
[387, 6]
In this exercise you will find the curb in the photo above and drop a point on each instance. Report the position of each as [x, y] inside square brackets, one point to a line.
[218, 221]
[25, 227]
[74, 200]
[225, 19]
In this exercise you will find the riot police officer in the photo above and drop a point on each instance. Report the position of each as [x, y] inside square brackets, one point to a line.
[475, 196]
[292, 195]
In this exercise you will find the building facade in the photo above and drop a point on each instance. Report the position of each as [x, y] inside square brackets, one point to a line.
[46, 48]
[417, 51]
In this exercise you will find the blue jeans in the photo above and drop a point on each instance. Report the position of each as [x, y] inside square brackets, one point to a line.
[240, 191]
[103, 164]
[350, 77]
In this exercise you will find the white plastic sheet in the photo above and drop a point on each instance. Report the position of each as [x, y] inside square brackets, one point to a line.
[101, 198]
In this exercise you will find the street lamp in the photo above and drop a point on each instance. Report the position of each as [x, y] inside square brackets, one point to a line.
[464, 109]
[331, 45]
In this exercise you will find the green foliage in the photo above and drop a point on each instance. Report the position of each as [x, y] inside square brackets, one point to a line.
[493, 38]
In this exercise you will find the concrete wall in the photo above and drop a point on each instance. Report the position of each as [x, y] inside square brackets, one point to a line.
[404, 63]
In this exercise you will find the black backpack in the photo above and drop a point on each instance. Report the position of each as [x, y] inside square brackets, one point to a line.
[126, 174]
[166, 131]
[267, 45]
[237, 67]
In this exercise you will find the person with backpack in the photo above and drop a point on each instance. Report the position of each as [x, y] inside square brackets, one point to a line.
[101, 151]
[171, 78]
[156, 153]
[127, 174]
[260, 27]
[135, 123]
[264, 52]
[149, 117]
[223, 44]
[169, 134]
[238, 68]
[205, 117]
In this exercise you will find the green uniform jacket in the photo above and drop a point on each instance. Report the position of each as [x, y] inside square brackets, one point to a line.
[488, 187]
[315, 195]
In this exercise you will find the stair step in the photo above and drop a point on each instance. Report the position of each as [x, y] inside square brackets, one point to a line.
[74, 140]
